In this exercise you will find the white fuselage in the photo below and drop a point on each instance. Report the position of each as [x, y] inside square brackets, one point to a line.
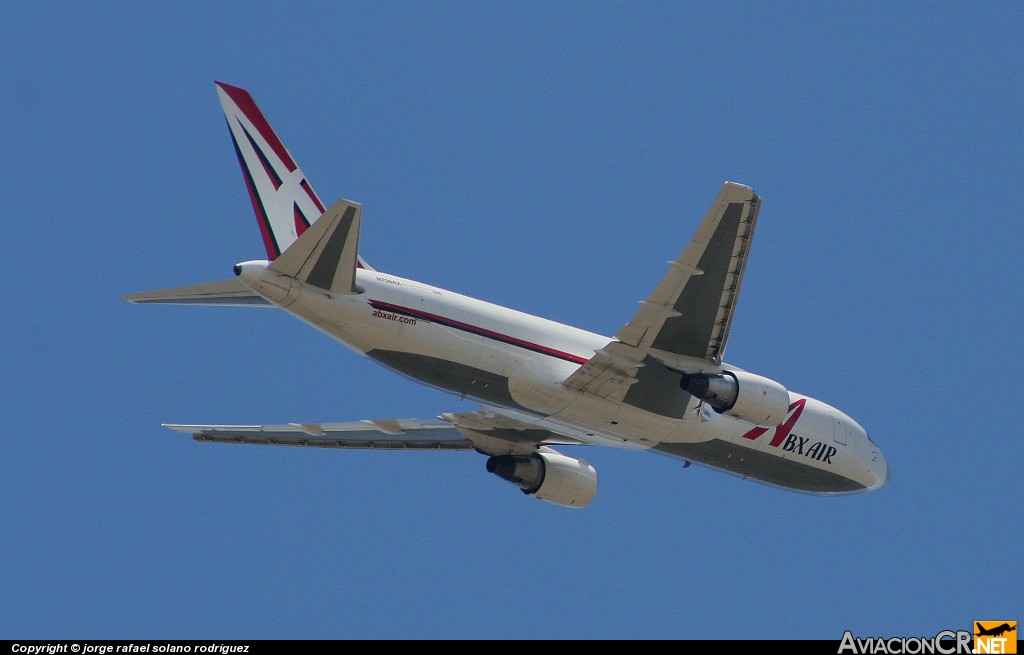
[515, 364]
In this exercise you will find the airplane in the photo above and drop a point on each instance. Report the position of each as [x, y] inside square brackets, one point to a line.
[659, 384]
[996, 631]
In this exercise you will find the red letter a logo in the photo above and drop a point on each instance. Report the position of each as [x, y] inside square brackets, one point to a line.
[796, 409]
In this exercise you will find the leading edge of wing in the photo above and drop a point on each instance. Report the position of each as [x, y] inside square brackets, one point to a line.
[389, 434]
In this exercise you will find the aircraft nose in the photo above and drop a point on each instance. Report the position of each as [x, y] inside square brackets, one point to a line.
[879, 470]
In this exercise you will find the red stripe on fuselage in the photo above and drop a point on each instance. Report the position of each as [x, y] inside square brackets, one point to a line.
[484, 332]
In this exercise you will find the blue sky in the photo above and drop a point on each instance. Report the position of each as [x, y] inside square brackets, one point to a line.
[547, 156]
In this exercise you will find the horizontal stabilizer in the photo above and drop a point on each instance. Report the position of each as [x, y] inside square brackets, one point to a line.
[325, 256]
[223, 292]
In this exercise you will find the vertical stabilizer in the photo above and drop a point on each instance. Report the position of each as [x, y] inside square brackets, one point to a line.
[282, 197]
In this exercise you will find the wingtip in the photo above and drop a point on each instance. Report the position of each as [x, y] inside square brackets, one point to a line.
[738, 185]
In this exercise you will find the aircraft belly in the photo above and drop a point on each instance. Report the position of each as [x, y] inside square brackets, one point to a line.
[536, 383]
[626, 421]
[454, 377]
[443, 358]
[761, 466]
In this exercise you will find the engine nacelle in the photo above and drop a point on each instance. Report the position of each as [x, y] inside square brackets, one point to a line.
[746, 396]
[548, 475]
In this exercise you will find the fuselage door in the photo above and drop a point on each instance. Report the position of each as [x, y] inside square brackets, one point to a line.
[838, 429]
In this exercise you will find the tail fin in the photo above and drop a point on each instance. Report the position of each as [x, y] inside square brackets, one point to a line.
[283, 199]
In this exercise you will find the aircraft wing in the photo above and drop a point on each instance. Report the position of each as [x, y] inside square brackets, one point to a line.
[690, 311]
[482, 431]
[222, 292]
[391, 434]
[688, 314]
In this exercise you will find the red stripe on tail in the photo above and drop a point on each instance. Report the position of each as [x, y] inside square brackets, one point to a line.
[248, 106]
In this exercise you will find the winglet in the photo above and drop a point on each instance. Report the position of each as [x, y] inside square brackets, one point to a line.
[282, 197]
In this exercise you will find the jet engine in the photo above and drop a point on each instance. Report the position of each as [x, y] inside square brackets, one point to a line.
[746, 396]
[548, 475]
